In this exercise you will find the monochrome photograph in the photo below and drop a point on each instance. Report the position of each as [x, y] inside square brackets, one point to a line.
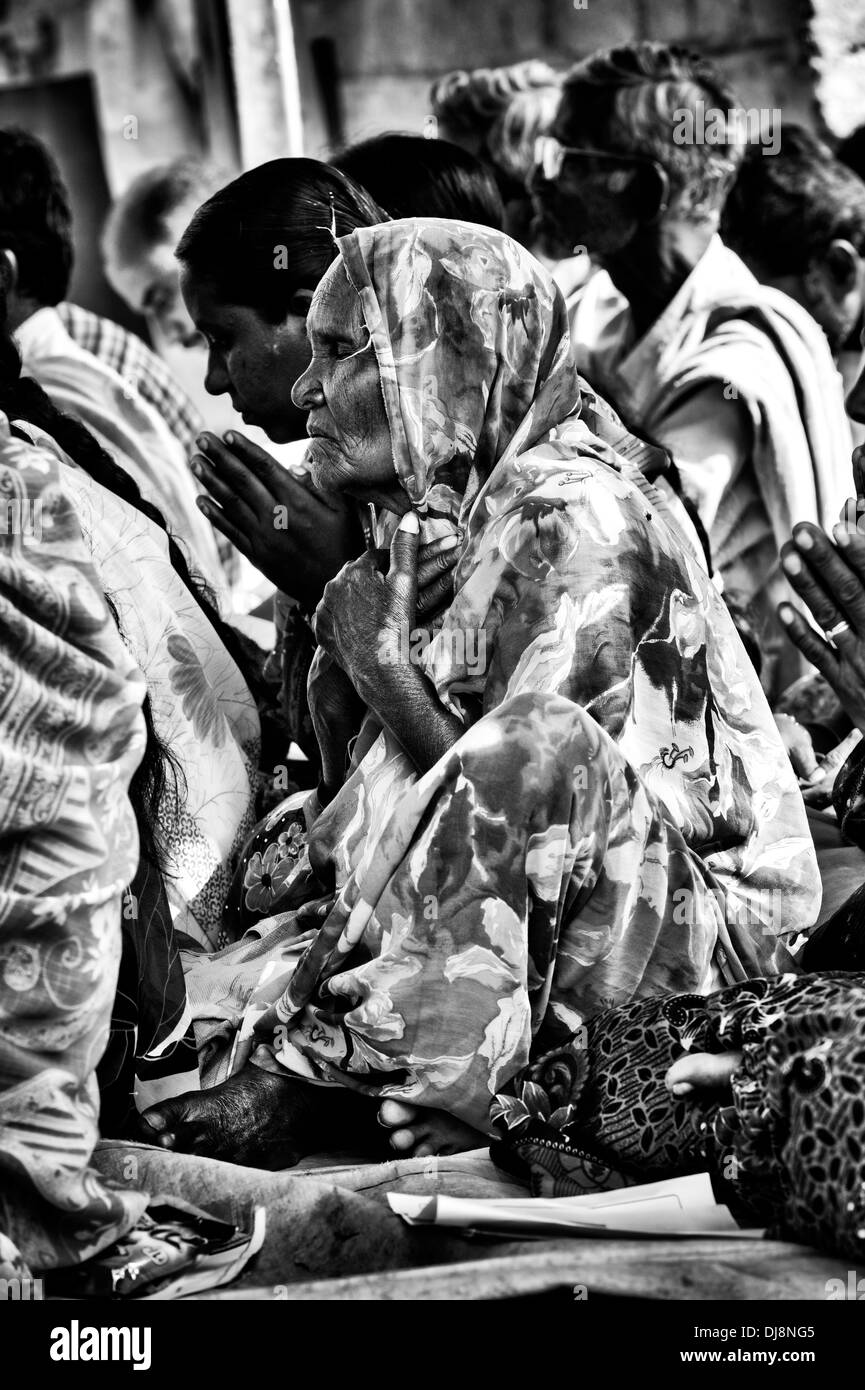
[432, 672]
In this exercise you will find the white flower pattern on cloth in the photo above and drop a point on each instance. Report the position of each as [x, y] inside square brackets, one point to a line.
[202, 707]
[267, 874]
[199, 701]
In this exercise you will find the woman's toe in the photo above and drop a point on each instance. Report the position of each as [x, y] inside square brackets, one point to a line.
[403, 1140]
[702, 1071]
[394, 1115]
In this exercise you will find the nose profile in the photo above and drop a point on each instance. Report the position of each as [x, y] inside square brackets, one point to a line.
[306, 393]
[216, 381]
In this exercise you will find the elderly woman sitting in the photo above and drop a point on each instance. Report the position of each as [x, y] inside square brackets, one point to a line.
[569, 795]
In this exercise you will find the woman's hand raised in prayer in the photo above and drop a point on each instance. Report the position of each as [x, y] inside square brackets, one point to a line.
[364, 622]
[297, 536]
[364, 614]
[830, 579]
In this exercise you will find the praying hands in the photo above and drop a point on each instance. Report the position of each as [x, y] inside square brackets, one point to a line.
[829, 576]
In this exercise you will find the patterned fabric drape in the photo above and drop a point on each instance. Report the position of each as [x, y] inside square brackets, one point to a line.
[71, 736]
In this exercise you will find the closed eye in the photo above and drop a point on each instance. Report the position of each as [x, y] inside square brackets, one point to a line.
[340, 348]
[345, 350]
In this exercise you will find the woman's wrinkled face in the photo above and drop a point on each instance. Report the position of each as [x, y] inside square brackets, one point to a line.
[350, 445]
[253, 361]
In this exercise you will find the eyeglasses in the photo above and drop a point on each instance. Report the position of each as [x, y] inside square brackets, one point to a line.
[550, 157]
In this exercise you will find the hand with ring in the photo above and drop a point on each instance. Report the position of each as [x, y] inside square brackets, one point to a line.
[830, 580]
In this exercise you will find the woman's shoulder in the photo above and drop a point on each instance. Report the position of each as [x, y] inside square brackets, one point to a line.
[38, 496]
[574, 472]
[48, 573]
[30, 453]
[111, 523]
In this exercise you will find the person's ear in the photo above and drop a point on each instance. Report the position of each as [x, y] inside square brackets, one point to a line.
[832, 285]
[653, 193]
[8, 272]
[843, 264]
[832, 281]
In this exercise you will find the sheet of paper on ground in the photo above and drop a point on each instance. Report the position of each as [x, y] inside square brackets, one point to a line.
[676, 1207]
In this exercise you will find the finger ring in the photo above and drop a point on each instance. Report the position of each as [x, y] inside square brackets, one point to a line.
[831, 633]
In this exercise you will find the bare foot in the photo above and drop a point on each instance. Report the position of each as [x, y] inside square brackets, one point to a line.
[417, 1132]
[702, 1071]
[259, 1118]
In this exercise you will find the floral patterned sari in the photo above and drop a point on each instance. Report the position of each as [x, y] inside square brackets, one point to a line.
[619, 818]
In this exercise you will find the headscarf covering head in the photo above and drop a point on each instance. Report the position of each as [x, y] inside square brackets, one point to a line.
[471, 337]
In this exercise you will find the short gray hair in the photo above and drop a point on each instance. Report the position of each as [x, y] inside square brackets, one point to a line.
[630, 100]
[506, 108]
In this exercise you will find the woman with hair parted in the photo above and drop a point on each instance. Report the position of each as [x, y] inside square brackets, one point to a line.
[568, 794]
[250, 261]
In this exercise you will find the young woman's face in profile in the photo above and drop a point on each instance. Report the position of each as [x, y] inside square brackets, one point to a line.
[350, 445]
[253, 361]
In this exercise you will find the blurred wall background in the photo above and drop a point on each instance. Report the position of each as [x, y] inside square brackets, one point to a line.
[249, 80]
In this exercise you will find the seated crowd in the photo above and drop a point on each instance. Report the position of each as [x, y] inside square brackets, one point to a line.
[457, 742]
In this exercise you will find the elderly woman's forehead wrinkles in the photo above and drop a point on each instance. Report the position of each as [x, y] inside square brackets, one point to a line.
[344, 303]
[336, 314]
[321, 321]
